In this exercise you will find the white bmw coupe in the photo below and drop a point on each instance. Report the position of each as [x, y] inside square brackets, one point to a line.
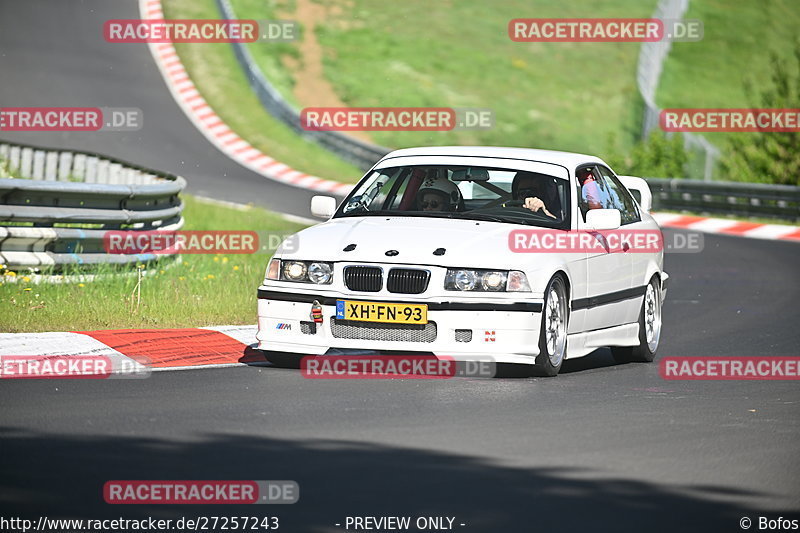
[518, 255]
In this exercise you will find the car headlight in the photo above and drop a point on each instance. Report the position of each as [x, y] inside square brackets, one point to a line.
[494, 281]
[461, 279]
[320, 273]
[294, 270]
[464, 280]
[317, 272]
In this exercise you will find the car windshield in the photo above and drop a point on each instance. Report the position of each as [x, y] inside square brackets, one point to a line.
[466, 192]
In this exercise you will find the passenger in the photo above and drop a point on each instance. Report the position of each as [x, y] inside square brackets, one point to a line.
[438, 194]
[590, 191]
[591, 195]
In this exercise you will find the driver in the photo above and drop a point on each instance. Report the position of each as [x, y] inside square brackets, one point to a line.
[438, 194]
[534, 192]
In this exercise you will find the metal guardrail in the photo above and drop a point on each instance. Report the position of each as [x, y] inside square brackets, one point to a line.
[648, 74]
[56, 208]
[361, 154]
[781, 202]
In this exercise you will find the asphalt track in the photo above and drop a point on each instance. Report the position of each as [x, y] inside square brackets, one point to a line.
[52, 54]
[602, 447]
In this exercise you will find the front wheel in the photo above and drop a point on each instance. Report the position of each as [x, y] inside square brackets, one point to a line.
[649, 329]
[553, 330]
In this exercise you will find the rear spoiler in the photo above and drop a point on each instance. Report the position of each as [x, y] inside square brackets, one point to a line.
[640, 190]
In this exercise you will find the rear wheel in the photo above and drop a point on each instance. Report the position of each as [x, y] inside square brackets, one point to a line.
[553, 330]
[649, 329]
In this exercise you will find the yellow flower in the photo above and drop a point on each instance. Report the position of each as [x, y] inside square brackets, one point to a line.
[160, 271]
[27, 289]
[81, 285]
[211, 276]
[26, 279]
[216, 259]
[181, 278]
[236, 267]
[11, 273]
[140, 267]
[224, 259]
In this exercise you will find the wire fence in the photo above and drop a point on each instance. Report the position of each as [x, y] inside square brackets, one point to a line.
[648, 75]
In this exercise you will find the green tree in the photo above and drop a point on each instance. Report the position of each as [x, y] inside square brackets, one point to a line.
[769, 157]
[658, 156]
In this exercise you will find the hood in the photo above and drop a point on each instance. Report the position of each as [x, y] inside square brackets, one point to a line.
[470, 243]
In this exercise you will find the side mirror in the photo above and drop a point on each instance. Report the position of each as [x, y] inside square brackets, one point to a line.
[323, 206]
[640, 190]
[603, 219]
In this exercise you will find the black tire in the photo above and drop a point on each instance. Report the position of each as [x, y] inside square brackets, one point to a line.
[645, 352]
[550, 358]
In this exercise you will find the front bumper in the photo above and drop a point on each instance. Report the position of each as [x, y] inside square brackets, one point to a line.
[506, 331]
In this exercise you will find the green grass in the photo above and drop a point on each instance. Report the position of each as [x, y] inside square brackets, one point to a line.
[270, 55]
[201, 290]
[738, 38]
[567, 96]
[219, 78]
[570, 96]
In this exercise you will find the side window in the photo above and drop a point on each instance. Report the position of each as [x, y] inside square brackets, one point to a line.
[620, 197]
[592, 190]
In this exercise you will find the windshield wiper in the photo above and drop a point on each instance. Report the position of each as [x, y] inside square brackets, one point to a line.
[393, 213]
[509, 219]
[483, 216]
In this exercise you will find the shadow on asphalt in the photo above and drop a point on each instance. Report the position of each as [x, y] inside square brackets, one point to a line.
[61, 476]
[598, 359]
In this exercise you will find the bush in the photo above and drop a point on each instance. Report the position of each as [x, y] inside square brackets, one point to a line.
[769, 157]
[658, 156]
